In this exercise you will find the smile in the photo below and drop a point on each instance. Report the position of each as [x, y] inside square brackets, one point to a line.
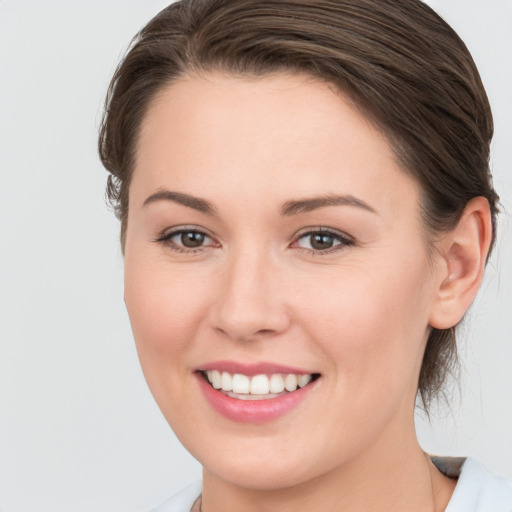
[257, 387]
[254, 393]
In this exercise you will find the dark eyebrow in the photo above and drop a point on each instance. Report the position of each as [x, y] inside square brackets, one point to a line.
[201, 205]
[293, 207]
[309, 204]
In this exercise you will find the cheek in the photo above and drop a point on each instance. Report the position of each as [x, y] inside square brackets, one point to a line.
[371, 325]
[165, 307]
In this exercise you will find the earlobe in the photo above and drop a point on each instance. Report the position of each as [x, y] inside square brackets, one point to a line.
[463, 252]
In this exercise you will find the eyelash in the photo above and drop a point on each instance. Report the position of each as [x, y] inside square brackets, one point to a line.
[343, 240]
[165, 238]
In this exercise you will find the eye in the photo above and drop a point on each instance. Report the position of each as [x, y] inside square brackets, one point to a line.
[186, 240]
[190, 239]
[322, 241]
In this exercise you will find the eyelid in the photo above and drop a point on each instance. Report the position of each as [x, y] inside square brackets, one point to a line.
[344, 239]
[323, 229]
[165, 238]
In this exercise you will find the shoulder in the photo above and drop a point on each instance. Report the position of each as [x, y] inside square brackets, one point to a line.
[183, 501]
[478, 489]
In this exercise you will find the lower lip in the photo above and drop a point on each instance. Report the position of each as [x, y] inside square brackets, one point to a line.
[252, 411]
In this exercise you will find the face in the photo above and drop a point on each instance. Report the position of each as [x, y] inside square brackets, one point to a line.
[272, 238]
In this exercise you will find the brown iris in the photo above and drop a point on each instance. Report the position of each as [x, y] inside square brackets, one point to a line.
[322, 241]
[192, 239]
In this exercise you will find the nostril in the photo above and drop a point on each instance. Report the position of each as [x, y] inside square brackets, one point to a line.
[241, 338]
[265, 331]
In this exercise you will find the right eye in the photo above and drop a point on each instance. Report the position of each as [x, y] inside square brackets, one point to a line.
[186, 240]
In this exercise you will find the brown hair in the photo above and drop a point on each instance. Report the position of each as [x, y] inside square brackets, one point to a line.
[397, 60]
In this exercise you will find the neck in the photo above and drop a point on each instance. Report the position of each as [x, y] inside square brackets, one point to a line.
[400, 478]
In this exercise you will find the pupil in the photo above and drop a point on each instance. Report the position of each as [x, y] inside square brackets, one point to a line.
[192, 239]
[321, 241]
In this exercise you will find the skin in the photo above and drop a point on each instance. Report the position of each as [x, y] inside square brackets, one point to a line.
[359, 314]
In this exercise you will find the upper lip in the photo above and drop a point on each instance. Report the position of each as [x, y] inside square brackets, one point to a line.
[251, 369]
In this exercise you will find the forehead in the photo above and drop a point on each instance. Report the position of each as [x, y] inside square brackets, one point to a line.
[281, 136]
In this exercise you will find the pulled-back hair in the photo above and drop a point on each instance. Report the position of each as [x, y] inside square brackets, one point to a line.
[399, 63]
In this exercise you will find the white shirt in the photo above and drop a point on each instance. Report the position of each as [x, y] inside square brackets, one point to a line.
[477, 489]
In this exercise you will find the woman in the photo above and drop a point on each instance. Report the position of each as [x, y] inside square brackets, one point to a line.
[306, 212]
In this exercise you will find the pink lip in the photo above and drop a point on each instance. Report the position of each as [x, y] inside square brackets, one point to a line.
[252, 411]
[251, 369]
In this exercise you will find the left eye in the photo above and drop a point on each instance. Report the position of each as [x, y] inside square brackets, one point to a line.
[321, 241]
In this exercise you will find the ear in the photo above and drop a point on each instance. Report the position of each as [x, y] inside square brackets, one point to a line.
[463, 254]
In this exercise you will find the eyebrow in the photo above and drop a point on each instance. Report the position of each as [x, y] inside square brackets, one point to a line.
[201, 205]
[289, 208]
[306, 205]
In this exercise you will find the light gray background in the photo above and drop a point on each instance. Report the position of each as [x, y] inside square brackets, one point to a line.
[79, 430]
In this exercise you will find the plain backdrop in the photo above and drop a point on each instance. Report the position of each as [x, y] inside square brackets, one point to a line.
[79, 430]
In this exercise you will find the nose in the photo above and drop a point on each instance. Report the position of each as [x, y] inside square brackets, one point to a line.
[249, 303]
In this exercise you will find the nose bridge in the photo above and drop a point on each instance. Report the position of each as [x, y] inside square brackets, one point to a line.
[248, 304]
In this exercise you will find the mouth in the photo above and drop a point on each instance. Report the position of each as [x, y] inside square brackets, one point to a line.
[257, 387]
[255, 392]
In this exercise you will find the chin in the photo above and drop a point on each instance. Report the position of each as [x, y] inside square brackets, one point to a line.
[259, 476]
[259, 465]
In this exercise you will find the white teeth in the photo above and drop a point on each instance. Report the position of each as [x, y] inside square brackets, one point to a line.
[276, 383]
[260, 385]
[241, 384]
[226, 382]
[241, 396]
[216, 379]
[303, 380]
[290, 382]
